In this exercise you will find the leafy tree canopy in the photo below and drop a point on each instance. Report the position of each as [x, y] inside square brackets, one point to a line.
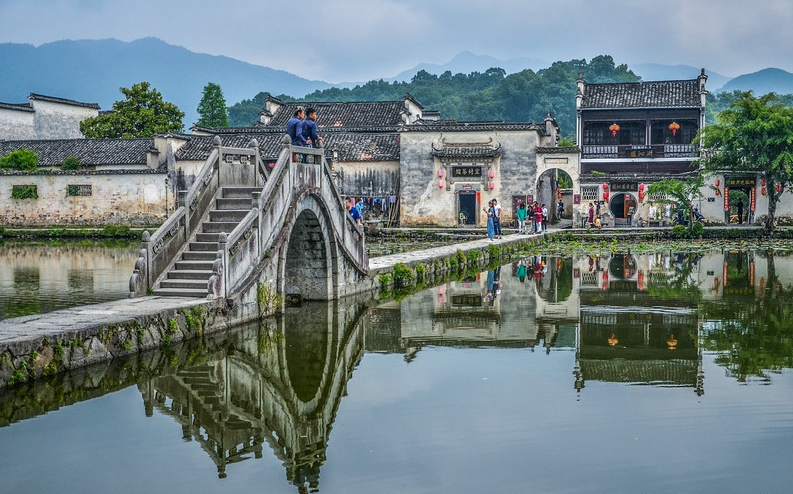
[142, 114]
[21, 159]
[480, 96]
[212, 108]
[753, 135]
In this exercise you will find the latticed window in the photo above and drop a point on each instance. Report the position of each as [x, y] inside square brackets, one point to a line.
[589, 193]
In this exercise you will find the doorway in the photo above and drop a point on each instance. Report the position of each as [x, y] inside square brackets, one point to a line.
[467, 207]
[623, 206]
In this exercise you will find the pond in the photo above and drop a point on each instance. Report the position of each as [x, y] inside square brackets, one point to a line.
[660, 372]
[39, 276]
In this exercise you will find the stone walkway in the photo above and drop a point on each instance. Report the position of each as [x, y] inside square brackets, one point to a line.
[84, 317]
[19, 329]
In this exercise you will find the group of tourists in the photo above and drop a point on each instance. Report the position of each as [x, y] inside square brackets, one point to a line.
[535, 215]
[593, 216]
[302, 128]
[493, 219]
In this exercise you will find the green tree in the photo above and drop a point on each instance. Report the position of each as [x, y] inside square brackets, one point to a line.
[681, 193]
[753, 135]
[21, 159]
[212, 108]
[142, 114]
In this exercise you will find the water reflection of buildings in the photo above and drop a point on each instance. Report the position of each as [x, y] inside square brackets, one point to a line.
[501, 307]
[638, 321]
[276, 386]
[629, 318]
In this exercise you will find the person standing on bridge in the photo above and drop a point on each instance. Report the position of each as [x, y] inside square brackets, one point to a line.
[310, 134]
[356, 215]
[294, 128]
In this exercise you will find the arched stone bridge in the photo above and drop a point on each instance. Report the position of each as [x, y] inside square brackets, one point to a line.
[244, 233]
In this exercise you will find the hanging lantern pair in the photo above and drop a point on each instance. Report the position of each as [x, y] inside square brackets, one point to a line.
[614, 128]
[641, 192]
[559, 194]
[605, 192]
[674, 127]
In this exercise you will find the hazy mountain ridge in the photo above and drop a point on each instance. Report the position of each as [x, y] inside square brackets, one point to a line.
[93, 70]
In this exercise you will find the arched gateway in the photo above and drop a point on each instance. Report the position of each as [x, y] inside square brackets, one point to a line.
[242, 233]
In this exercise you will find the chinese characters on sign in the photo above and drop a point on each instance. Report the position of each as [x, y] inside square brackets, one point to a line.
[639, 153]
[739, 182]
[467, 171]
[624, 187]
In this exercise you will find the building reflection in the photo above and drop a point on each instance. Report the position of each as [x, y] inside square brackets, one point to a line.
[638, 321]
[278, 385]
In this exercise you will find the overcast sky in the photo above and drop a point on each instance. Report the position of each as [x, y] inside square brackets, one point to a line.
[358, 40]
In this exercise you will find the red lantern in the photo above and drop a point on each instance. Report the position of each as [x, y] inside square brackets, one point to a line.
[558, 193]
[674, 127]
[440, 172]
[718, 182]
[764, 191]
[778, 188]
[440, 184]
[614, 128]
[762, 182]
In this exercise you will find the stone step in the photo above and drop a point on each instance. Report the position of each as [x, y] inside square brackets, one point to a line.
[228, 215]
[203, 247]
[180, 292]
[184, 283]
[208, 238]
[190, 274]
[219, 226]
[239, 192]
[201, 255]
[193, 265]
[229, 203]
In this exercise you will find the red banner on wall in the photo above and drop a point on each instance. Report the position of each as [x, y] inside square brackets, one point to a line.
[726, 198]
[753, 198]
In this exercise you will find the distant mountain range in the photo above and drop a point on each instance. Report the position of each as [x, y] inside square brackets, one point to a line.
[92, 71]
[466, 62]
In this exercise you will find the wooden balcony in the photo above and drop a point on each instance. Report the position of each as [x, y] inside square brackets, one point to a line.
[650, 152]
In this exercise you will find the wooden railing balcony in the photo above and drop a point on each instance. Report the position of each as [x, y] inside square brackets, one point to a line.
[615, 151]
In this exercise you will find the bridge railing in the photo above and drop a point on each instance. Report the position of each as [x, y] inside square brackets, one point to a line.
[224, 166]
[297, 169]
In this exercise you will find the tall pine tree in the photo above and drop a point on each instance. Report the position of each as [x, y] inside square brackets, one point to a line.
[212, 108]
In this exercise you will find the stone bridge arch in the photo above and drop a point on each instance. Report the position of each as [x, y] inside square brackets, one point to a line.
[308, 259]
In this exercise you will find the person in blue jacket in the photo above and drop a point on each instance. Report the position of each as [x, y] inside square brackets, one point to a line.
[294, 128]
[310, 129]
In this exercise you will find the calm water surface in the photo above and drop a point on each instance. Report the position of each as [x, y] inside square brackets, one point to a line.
[659, 373]
[38, 276]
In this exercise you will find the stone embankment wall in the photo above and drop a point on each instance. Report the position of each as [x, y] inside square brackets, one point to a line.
[86, 199]
[39, 346]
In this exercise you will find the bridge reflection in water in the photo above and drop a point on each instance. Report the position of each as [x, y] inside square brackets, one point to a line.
[281, 384]
[278, 384]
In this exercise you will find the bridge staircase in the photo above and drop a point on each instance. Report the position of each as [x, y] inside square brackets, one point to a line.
[233, 230]
[189, 276]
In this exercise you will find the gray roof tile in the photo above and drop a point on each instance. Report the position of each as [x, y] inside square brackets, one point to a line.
[92, 152]
[655, 94]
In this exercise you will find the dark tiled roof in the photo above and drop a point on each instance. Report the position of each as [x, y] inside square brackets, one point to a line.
[363, 147]
[382, 146]
[657, 94]
[198, 148]
[92, 152]
[62, 101]
[454, 126]
[355, 114]
[558, 149]
[456, 151]
[23, 107]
